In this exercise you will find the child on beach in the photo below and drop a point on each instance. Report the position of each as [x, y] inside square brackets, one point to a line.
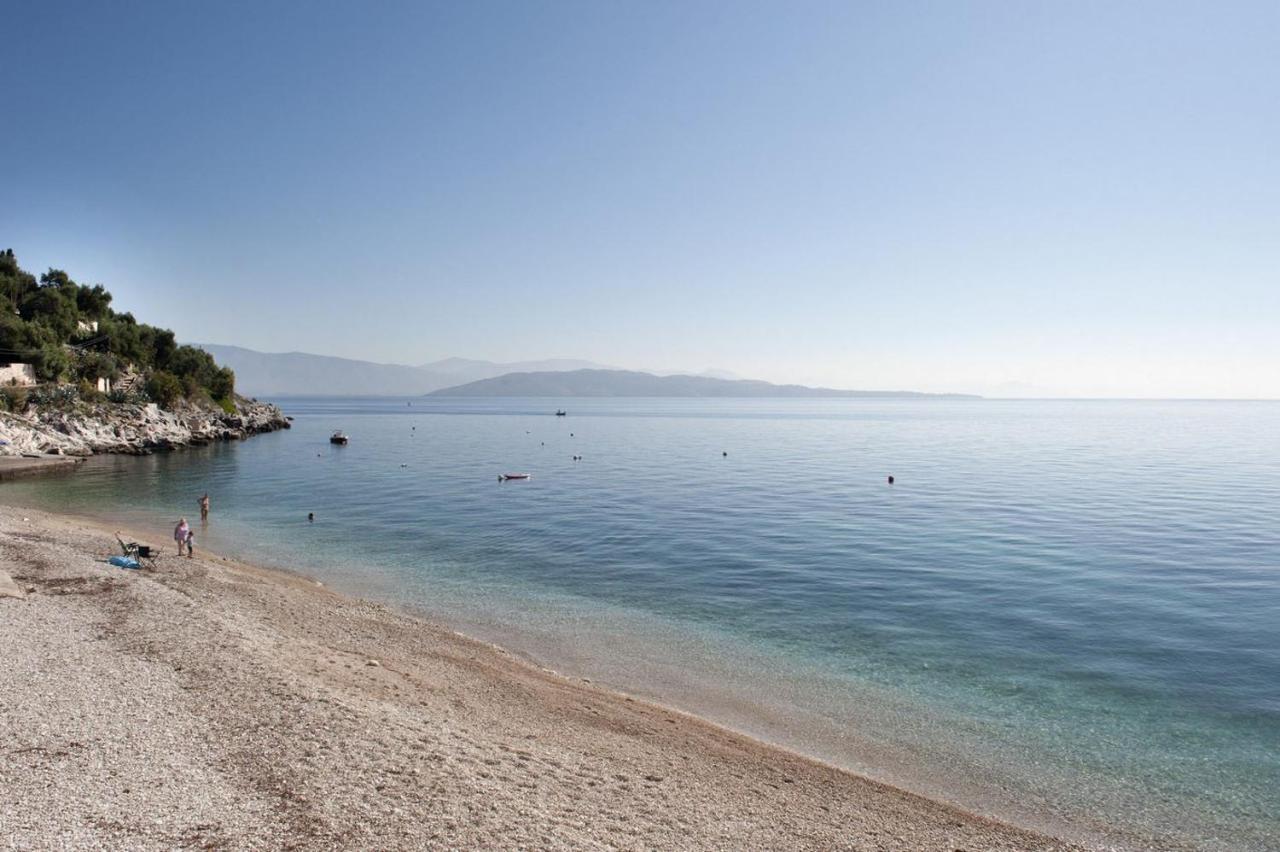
[182, 534]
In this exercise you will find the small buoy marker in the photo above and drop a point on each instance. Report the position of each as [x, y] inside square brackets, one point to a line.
[890, 480]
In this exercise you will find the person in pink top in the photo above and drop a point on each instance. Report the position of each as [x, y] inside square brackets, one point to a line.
[181, 533]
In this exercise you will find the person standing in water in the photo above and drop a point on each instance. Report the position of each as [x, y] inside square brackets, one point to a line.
[180, 534]
[204, 507]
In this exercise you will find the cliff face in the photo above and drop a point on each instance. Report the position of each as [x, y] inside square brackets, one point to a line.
[85, 429]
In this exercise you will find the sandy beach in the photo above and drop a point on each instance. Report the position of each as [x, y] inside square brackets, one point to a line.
[213, 704]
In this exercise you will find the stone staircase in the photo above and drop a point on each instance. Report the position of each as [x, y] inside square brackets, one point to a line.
[128, 383]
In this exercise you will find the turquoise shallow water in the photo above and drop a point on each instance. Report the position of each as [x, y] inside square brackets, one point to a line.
[1066, 613]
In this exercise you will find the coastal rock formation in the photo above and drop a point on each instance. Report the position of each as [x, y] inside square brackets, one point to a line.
[135, 429]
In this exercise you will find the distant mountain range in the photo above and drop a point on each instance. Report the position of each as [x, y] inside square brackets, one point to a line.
[269, 374]
[598, 383]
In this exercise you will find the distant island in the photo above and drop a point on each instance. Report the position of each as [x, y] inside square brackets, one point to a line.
[605, 383]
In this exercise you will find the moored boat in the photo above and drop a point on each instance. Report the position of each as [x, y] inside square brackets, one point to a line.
[505, 476]
[338, 437]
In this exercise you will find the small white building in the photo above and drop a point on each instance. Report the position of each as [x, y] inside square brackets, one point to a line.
[89, 327]
[23, 375]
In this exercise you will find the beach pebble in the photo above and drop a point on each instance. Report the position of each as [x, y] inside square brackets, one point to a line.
[373, 663]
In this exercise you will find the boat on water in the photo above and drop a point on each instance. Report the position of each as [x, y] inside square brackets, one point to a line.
[503, 477]
[560, 412]
[338, 437]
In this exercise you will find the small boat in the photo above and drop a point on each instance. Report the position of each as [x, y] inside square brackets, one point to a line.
[503, 477]
[560, 412]
[338, 438]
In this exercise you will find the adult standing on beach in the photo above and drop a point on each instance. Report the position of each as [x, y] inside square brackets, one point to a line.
[180, 534]
[204, 507]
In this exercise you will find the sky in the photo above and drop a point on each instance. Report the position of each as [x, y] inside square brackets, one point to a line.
[1044, 199]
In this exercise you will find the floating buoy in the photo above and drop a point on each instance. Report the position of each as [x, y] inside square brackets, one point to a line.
[891, 480]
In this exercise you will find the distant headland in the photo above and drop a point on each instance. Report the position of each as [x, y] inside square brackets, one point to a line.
[606, 383]
[78, 377]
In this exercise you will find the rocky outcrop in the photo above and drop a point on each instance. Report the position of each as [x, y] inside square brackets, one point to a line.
[85, 429]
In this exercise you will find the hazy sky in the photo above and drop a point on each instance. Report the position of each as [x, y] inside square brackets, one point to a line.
[1048, 198]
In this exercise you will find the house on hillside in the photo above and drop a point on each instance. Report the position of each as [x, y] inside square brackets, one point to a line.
[21, 375]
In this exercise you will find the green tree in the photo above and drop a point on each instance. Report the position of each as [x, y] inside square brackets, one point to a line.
[15, 283]
[93, 302]
[50, 307]
[223, 385]
[51, 363]
[92, 366]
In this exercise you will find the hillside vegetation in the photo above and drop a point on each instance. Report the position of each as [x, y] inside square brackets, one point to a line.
[48, 323]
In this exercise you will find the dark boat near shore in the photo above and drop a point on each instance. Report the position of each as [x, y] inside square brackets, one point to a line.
[338, 437]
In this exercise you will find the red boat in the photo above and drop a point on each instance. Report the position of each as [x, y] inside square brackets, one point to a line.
[503, 477]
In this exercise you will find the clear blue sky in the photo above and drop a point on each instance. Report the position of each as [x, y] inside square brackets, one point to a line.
[1061, 198]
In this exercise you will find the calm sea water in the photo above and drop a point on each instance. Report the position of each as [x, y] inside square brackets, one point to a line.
[1064, 613]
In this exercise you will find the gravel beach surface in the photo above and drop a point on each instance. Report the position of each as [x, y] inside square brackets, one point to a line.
[207, 703]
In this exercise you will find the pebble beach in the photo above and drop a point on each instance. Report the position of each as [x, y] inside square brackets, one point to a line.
[208, 703]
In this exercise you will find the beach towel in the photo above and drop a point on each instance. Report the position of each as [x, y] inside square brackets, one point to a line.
[124, 562]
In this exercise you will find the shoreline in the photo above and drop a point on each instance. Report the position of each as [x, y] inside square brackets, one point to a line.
[648, 775]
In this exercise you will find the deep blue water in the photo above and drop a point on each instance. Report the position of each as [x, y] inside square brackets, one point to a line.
[1066, 613]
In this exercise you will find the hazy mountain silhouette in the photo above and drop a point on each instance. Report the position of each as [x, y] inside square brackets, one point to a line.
[597, 383]
[304, 374]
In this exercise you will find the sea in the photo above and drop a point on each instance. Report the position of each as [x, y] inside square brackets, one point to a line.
[1065, 614]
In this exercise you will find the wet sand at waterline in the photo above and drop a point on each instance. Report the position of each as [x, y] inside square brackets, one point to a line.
[213, 703]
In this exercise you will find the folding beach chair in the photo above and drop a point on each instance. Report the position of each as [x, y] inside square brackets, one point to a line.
[140, 552]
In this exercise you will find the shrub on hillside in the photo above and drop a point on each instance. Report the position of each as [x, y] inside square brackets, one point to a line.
[91, 366]
[164, 388]
[53, 395]
[120, 397]
[89, 392]
[51, 363]
[14, 398]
